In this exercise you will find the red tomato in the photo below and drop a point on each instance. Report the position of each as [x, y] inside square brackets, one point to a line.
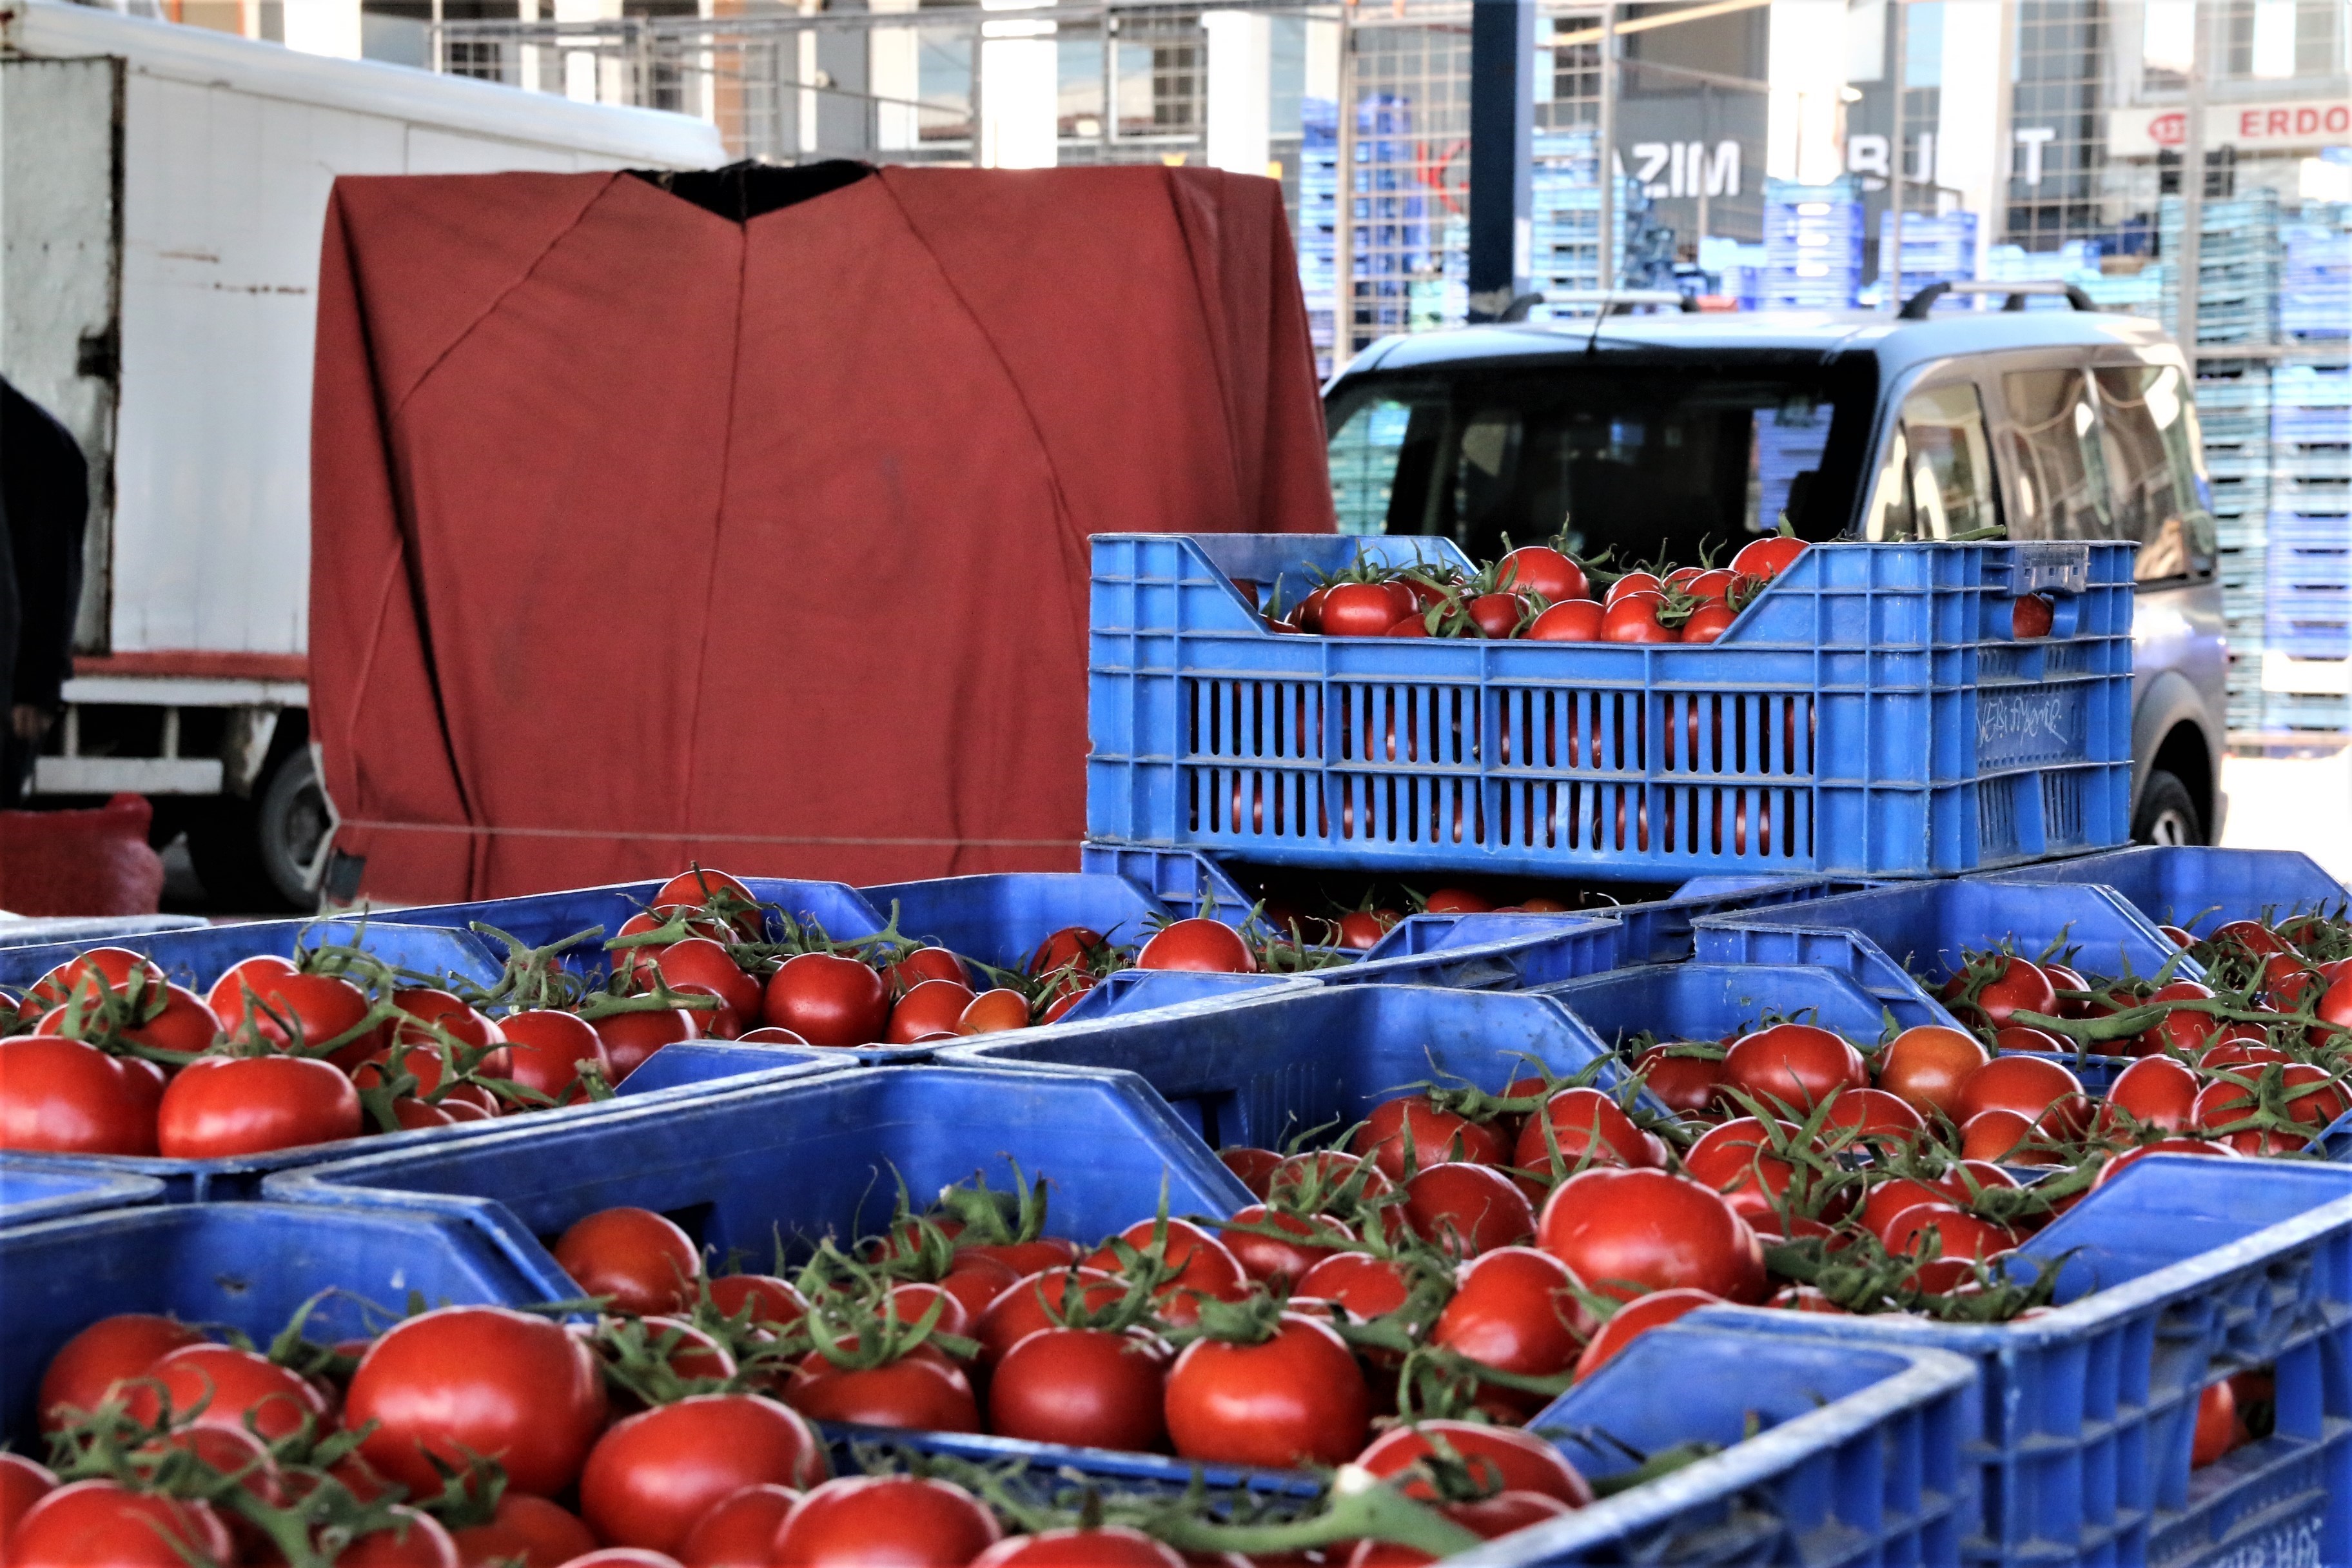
[545, 1051]
[870, 1520]
[697, 888]
[828, 1000]
[1795, 1065]
[1205, 1266]
[107, 970]
[2313, 1099]
[2027, 1085]
[1202, 945]
[92, 1523]
[1633, 617]
[478, 1379]
[2217, 1431]
[1707, 623]
[1961, 1233]
[1516, 1459]
[1925, 1065]
[640, 1260]
[1585, 1123]
[1714, 584]
[1686, 1084]
[920, 1389]
[737, 1532]
[1368, 1287]
[1767, 558]
[186, 1023]
[111, 1349]
[1455, 901]
[1570, 620]
[2108, 1171]
[61, 1097]
[1360, 610]
[413, 1540]
[1254, 1167]
[1634, 1319]
[2031, 615]
[650, 1477]
[1626, 1233]
[1032, 1302]
[2017, 986]
[1279, 1259]
[698, 961]
[630, 1038]
[1516, 1310]
[1734, 1158]
[1435, 1136]
[932, 1007]
[1875, 1114]
[1468, 1209]
[1540, 569]
[2156, 1090]
[1634, 583]
[541, 1534]
[1106, 1546]
[1088, 1387]
[226, 999]
[1996, 1134]
[1412, 625]
[1297, 1398]
[220, 1386]
[1496, 615]
[1070, 945]
[23, 1483]
[311, 1010]
[221, 1106]
[2178, 1029]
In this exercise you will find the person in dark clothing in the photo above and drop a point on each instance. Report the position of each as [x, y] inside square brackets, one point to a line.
[44, 505]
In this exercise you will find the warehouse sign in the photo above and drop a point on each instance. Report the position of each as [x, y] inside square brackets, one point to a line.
[2250, 127]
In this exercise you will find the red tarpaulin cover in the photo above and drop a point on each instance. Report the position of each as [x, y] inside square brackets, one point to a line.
[640, 534]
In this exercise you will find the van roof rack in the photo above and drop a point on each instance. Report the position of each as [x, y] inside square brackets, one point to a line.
[1916, 308]
[1612, 301]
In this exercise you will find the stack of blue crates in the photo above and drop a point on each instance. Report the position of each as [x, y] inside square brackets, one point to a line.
[2310, 609]
[2233, 406]
[1812, 245]
[2237, 266]
[1394, 239]
[1565, 242]
[2316, 284]
[1935, 250]
[1319, 221]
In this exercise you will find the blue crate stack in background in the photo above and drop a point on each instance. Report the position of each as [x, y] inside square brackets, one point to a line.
[1812, 245]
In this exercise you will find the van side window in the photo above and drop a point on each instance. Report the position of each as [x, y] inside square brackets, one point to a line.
[1937, 478]
[2151, 431]
[1364, 454]
[2062, 480]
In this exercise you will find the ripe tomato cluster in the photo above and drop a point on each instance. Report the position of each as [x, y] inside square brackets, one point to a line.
[1540, 592]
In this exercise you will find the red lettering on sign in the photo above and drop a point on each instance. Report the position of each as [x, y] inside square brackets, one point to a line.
[2278, 122]
[2339, 119]
[2169, 129]
[2306, 121]
[2250, 124]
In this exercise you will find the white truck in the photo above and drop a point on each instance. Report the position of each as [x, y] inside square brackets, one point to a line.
[162, 190]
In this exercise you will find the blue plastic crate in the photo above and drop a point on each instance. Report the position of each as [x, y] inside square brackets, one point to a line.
[742, 1167]
[1257, 1068]
[1866, 708]
[2082, 1418]
[538, 919]
[239, 1177]
[1710, 1001]
[1001, 919]
[2196, 887]
[1185, 880]
[44, 931]
[1857, 1461]
[195, 957]
[243, 1266]
[30, 1192]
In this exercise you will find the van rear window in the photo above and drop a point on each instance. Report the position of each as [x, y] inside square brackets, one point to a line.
[1648, 461]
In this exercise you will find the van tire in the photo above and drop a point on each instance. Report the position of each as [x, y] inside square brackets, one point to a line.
[2167, 811]
[249, 854]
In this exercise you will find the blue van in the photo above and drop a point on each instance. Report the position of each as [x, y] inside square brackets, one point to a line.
[1681, 437]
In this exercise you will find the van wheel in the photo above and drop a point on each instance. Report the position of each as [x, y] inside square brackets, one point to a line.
[255, 856]
[2167, 813]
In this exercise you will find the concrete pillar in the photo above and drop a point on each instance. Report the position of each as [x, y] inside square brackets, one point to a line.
[1020, 87]
[1970, 155]
[1241, 89]
[895, 64]
[324, 28]
[1804, 136]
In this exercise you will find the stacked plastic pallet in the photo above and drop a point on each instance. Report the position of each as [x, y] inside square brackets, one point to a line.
[1564, 250]
[2316, 282]
[1936, 250]
[1812, 245]
[1319, 221]
[2310, 549]
[2237, 266]
[2233, 406]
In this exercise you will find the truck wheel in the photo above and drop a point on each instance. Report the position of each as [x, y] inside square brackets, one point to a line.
[252, 856]
[2167, 813]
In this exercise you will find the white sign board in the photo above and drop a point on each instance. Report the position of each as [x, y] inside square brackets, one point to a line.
[2249, 127]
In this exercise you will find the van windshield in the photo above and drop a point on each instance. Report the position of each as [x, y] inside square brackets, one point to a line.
[1649, 457]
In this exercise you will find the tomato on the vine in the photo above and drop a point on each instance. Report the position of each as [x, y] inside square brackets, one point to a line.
[1298, 1397]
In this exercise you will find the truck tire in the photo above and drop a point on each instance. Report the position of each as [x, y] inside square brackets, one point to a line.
[2167, 813]
[252, 855]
